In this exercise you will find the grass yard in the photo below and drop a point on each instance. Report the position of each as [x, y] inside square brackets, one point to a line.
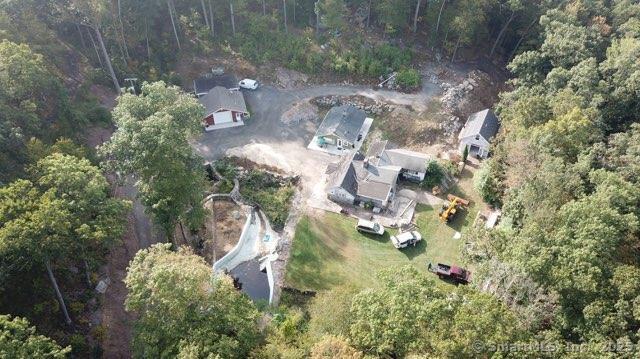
[328, 251]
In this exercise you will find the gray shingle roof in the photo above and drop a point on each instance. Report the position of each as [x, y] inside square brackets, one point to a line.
[376, 148]
[344, 175]
[484, 123]
[208, 81]
[375, 182]
[219, 98]
[408, 160]
[380, 155]
[343, 121]
[371, 181]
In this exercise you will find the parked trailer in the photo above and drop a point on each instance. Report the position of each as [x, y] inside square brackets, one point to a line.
[457, 274]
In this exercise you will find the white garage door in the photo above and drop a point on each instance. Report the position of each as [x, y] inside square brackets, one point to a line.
[222, 117]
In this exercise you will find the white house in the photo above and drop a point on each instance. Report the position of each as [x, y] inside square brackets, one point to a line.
[372, 178]
[223, 108]
[356, 180]
[478, 132]
[413, 164]
[342, 131]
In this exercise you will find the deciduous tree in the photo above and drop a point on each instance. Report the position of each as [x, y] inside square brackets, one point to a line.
[19, 340]
[65, 212]
[152, 143]
[393, 15]
[333, 14]
[184, 308]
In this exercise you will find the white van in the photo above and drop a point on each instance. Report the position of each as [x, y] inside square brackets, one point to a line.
[403, 240]
[369, 227]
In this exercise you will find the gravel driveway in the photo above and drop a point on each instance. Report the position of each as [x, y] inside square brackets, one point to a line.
[267, 104]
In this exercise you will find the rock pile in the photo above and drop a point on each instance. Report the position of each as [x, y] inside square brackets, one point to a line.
[454, 95]
[367, 105]
[451, 127]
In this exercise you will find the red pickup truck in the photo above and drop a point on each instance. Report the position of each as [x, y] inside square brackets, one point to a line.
[454, 273]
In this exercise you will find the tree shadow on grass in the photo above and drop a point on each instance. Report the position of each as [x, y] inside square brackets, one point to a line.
[414, 251]
[461, 220]
[378, 238]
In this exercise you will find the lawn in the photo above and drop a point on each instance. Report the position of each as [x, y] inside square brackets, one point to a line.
[327, 250]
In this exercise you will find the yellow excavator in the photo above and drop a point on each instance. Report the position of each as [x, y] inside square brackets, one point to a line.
[449, 210]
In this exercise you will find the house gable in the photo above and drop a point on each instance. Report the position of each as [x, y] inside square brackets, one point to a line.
[344, 122]
[483, 123]
[220, 99]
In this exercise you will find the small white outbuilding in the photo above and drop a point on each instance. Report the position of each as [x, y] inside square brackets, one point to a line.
[477, 133]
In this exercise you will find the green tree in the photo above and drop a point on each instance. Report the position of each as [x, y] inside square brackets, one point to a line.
[469, 22]
[621, 73]
[568, 134]
[566, 41]
[66, 211]
[389, 321]
[333, 14]
[152, 142]
[334, 347]
[434, 176]
[28, 93]
[488, 181]
[514, 6]
[393, 15]
[93, 15]
[621, 154]
[19, 340]
[97, 218]
[183, 308]
[392, 321]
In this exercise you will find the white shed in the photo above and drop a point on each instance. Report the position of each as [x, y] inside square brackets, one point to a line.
[477, 133]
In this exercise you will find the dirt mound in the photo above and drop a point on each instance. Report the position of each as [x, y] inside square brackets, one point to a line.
[286, 78]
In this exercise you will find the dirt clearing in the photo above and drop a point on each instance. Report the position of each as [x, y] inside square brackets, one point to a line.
[222, 229]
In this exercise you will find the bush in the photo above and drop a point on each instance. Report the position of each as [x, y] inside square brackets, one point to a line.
[408, 78]
[488, 182]
[226, 168]
[451, 169]
[99, 332]
[267, 191]
[225, 186]
[76, 308]
[78, 345]
[434, 176]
